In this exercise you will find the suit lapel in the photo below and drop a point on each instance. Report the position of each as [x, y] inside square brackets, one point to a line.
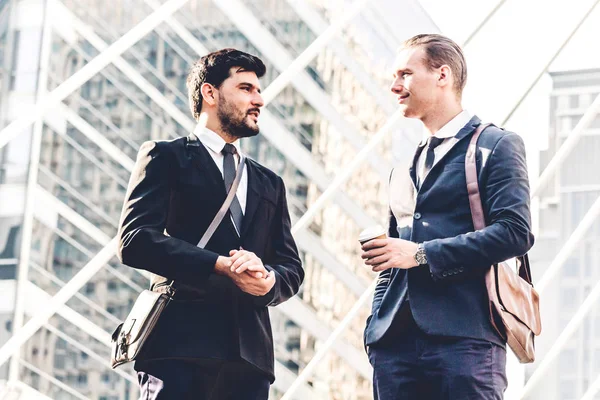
[461, 135]
[203, 161]
[413, 166]
[253, 195]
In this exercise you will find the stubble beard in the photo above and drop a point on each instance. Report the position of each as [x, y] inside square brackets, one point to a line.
[235, 122]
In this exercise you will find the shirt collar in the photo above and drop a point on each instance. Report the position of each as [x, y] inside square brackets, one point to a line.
[451, 128]
[212, 140]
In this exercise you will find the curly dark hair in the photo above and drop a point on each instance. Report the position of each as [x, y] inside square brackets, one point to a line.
[214, 68]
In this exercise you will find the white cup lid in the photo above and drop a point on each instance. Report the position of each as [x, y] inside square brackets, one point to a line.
[371, 232]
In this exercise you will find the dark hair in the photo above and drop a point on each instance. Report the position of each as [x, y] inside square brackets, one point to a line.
[214, 68]
[440, 50]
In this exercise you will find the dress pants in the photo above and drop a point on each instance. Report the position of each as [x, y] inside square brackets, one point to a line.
[408, 364]
[174, 379]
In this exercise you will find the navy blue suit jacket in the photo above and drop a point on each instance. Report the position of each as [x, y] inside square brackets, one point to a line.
[174, 193]
[448, 296]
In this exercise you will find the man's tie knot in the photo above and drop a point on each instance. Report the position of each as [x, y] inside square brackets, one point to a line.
[434, 142]
[229, 149]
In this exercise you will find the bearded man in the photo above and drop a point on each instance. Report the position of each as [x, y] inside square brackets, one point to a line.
[214, 340]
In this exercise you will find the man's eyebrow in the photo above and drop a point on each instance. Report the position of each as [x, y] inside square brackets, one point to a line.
[249, 84]
[401, 71]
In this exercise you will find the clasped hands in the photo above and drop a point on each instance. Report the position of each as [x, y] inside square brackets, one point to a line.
[382, 254]
[247, 271]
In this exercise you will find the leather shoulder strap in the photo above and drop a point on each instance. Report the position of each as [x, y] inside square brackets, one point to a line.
[477, 213]
[223, 210]
[472, 182]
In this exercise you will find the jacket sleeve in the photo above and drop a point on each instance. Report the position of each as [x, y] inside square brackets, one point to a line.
[383, 279]
[142, 242]
[285, 262]
[506, 206]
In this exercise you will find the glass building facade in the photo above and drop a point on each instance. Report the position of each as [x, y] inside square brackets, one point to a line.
[60, 206]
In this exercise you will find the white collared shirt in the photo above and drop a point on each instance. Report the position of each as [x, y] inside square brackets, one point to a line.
[214, 144]
[448, 133]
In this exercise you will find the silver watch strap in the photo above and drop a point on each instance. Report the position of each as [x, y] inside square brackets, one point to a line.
[223, 210]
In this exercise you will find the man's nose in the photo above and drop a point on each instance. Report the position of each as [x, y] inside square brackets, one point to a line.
[396, 87]
[258, 101]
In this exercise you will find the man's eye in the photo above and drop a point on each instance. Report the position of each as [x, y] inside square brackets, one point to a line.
[247, 89]
[404, 75]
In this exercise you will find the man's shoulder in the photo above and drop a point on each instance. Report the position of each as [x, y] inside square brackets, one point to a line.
[266, 175]
[265, 172]
[492, 135]
[166, 148]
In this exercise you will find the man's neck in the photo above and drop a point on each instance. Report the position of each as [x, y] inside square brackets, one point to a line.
[440, 117]
[214, 125]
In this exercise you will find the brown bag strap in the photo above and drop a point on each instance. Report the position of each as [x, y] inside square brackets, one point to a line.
[475, 198]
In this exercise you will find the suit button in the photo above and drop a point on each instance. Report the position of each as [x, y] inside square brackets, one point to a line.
[444, 274]
[461, 269]
[417, 215]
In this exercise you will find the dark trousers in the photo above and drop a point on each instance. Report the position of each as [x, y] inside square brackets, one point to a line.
[408, 364]
[201, 380]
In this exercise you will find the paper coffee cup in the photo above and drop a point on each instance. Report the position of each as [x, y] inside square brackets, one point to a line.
[373, 232]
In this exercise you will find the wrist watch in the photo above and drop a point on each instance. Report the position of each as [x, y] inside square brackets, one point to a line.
[420, 256]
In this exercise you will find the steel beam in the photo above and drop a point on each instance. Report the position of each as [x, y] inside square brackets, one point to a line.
[268, 45]
[110, 54]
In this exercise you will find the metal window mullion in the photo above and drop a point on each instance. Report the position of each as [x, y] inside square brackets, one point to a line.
[114, 80]
[97, 357]
[78, 296]
[102, 118]
[318, 25]
[30, 188]
[116, 273]
[110, 54]
[141, 60]
[345, 174]
[58, 300]
[53, 380]
[330, 343]
[301, 314]
[73, 192]
[72, 216]
[304, 84]
[549, 63]
[566, 148]
[563, 340]
[86, 154]
[99, 140]
[88, 34]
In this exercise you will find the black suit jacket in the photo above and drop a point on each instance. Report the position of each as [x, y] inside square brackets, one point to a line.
[174, 192]
[448, 297]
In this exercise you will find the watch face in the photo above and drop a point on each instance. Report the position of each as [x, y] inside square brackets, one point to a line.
[420, 256]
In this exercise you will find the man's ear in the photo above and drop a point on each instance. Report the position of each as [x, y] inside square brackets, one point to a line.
[445, 76]
[208, 93]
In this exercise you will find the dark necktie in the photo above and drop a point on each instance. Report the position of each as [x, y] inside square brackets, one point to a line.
[228, 176]
[433, 142]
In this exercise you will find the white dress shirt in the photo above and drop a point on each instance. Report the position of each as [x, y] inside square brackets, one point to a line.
[214, 144]
[448, 133]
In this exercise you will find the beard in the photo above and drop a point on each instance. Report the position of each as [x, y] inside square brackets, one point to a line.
[236, 122]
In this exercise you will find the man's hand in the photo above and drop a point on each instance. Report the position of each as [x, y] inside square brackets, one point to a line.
[246, 261]
[254, 280]
[382, 254]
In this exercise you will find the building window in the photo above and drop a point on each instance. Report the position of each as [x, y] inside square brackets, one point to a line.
[574, 101]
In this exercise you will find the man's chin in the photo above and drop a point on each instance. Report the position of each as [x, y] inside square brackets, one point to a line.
[248, 131]
[407, 112]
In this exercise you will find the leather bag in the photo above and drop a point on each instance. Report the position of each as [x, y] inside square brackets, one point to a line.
[513, 302]
[129, 337]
